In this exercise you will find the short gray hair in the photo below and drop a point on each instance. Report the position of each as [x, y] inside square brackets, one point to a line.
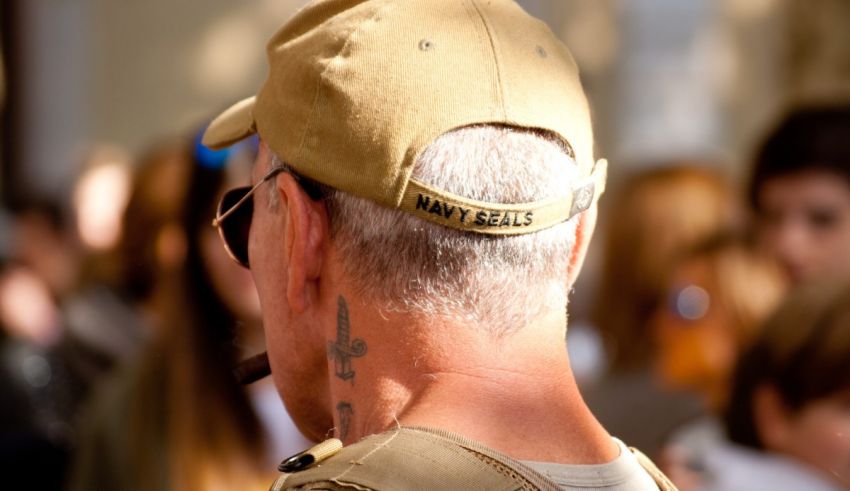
[406, 264]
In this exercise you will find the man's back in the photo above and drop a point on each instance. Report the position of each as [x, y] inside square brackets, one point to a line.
[426, 459]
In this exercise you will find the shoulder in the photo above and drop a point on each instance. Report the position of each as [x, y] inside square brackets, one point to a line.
[423, 459]
[401, 459]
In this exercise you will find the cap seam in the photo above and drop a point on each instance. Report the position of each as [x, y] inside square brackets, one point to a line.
[310, 120]
[490, 37]
[410, 169]
[309, 124]
[409, 162]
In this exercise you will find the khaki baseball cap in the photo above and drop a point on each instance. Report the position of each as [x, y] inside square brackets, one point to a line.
[357, 89]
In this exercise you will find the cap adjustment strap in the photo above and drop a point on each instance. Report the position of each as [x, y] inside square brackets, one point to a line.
[461, 213]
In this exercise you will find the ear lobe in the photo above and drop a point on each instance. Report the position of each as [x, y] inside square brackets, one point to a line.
[306, 229]
[584, 232]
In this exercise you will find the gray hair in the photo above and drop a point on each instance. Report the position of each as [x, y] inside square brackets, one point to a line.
[405, 264]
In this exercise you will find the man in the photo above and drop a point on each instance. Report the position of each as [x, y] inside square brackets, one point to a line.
[424, 197]
[800, 191]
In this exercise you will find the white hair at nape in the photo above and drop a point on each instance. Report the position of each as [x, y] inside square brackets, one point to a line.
[502, 283]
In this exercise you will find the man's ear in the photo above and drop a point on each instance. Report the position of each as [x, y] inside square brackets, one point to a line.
[306, 232]
[584, 232]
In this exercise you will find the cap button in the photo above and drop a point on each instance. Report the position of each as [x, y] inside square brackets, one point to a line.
[426, 45]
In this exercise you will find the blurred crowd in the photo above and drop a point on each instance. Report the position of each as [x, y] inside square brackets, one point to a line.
[122, 321]
[723, 308]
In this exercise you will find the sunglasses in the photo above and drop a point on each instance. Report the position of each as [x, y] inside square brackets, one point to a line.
[236, 209]
[233, 218]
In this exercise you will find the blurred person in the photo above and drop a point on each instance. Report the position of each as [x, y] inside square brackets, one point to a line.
[718, 297]
[43, 241]
[656, 216]
[176, 418]
[100, 195]
[37, 270]
[787, 419]
[28, 327]
[40, 290]
[800, 191]
[423, 200]
[792, 388]
[28, 309]
[90, 325]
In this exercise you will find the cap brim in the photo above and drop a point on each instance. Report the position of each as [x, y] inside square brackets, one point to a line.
[234, 124]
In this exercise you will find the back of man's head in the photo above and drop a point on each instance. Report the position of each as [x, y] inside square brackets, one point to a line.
[504, 282]
[455, 141]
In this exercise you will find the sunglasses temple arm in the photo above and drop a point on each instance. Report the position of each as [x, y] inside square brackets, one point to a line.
[217, 220]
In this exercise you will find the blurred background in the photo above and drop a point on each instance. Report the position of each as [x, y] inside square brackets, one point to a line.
[698, 80]
[101, 103]
[665, 78]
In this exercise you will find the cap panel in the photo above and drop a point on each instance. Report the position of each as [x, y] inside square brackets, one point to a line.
[409, 73]
[349, 143]
[540, 78]
[298, 55]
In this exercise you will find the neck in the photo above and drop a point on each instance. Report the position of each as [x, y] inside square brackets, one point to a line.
[515, 393]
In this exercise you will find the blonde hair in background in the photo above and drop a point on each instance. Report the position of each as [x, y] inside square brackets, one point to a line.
[655, 216]
[750, 285]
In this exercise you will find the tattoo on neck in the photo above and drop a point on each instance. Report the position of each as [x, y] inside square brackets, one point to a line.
[343, 349]
[345, 411]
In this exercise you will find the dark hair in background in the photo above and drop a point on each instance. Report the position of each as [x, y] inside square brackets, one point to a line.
[45, 207]
[156, 201]
[803, 352]
[808, 138]
[206, 417]
[213, 326]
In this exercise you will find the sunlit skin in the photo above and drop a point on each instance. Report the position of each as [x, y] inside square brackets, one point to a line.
[299, 370]
[515, 394]
[696, 354]
[805, 221]
[27, 309]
